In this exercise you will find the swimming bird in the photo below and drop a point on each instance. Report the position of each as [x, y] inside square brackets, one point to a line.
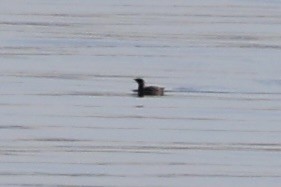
[148, 90]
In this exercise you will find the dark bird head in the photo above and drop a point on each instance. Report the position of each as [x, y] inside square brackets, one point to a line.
[140, 81]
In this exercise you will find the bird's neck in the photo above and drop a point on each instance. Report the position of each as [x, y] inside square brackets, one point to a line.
[140, 90]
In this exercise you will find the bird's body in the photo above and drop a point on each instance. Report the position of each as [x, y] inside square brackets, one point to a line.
[148, 90]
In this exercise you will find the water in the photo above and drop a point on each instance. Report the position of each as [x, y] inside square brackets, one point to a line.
[69, 116]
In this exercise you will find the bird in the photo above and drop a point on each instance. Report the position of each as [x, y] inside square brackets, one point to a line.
[148, 90]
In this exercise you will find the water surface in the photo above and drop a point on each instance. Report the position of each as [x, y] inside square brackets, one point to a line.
[69, 116]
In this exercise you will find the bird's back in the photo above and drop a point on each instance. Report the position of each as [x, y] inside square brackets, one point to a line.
[153, 90]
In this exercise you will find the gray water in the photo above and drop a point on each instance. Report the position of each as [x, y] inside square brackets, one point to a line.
[68, 116]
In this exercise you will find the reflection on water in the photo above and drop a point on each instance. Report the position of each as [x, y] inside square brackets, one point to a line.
[70, 116]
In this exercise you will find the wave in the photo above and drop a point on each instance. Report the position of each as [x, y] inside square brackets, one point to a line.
[219, 91]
